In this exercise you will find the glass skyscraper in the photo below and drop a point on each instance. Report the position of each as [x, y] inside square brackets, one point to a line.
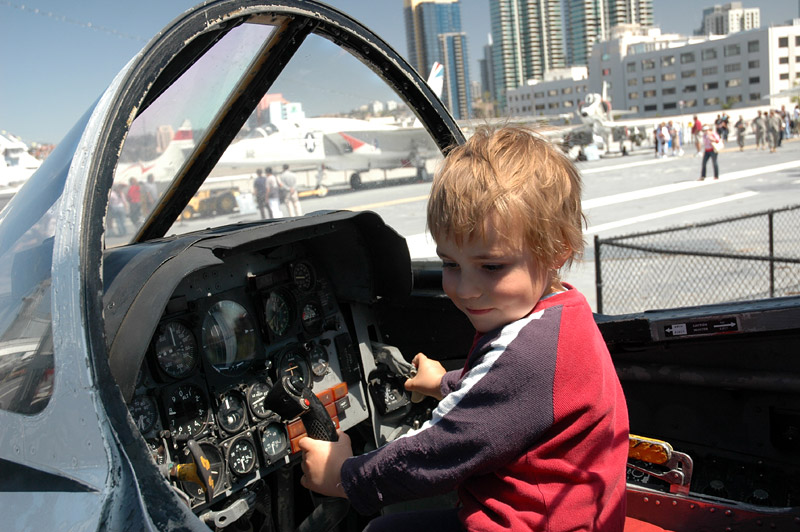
[433, 34]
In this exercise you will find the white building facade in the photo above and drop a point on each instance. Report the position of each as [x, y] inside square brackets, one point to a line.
[561, 92]
[663, 75]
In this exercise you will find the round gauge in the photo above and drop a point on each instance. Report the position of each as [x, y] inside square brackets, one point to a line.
[318, 357]
[292, 363]
[256, 396]
[278, 313]
[216, 468]
[144, 413]
[242, 456]
[187, 411]
[229, 337]
[303, 276]
[230, 414]
[312, 317]
[274, 440]
[176, 349]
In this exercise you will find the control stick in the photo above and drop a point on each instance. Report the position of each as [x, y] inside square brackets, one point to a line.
[290, 398]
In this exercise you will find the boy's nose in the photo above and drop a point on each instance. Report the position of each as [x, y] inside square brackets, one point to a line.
[467, 288]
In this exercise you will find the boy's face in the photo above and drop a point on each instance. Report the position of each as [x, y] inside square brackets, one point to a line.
[491, 284]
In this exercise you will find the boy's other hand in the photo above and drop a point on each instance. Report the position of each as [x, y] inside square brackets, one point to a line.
[322, 464]
[428, 380]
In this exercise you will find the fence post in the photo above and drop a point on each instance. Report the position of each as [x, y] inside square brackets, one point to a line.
[770, 217]
[598, 277]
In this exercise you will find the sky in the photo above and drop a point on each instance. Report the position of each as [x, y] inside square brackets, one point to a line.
[58, 57]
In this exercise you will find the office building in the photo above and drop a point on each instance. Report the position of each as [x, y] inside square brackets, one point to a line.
[527, 42]
[671, 74]
[649, 74]
[433, 34]
[590, 21]
[729, 18]
[456, 92]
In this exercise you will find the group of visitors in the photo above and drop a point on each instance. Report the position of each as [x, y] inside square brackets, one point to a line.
[668, 139]
[130, 202]
[271, 191]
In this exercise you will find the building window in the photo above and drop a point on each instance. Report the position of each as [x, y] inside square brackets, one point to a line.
[734, 98]
[568, 103]
[539, 107]
[797, 40]
[797, 59]
[648, 79]
[733, 67]
[633, 95]
[690, 88]
[648, 64]
[650, 108]
[752, 46]
[733, 82]
[566, 90]
[755, 79]
[753, 64]
[710, 71]
[687, 74]
[668, 90]
[711, 53]
[538, 95]
[755, 96]
[672, 76]
[784, 76]
[710, 86]
[690, 103]
[783, 60]
[670, 105]
[552, 105]
[552, 92]
[783, 42]
[731, 50]
[713, 100]
[633, 82]
[687, 57]
[630, 67]
[650, 94]
[633, 108]
[667, 60]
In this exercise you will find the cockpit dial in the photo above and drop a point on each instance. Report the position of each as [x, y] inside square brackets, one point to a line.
[242, 456]
[187, 411]
[256, 395]
[176, 349]
[144, 412]
[278, 312]
[231, 412]
[229, 337]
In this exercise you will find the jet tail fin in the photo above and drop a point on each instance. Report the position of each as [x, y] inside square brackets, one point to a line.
[436, 83]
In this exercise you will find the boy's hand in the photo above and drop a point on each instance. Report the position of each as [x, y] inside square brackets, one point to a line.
[322, 464]
[428, 380]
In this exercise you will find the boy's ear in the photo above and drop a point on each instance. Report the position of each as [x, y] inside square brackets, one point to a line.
[562, 258]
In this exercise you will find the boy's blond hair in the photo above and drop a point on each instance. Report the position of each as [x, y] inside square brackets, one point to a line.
[520, 182]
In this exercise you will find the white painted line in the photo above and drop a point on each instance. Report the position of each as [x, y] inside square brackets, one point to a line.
[684, 185]
[667, 212]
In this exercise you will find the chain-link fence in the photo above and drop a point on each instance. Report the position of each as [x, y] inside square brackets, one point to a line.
[733, 259]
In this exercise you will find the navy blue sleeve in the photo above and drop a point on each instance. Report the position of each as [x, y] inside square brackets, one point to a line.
[500, 408]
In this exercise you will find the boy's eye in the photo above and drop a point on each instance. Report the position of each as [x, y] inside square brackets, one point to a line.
[448, 264]
[493, 267]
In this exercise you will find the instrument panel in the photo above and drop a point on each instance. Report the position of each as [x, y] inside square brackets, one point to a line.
[227, 334]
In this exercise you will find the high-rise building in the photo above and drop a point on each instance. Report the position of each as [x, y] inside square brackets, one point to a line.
[425, 20]
[729, 18]
[433, 33]
[589, 21]
[456, 91]
[527, 42]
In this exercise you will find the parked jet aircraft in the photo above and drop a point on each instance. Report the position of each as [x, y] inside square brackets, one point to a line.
[163, 383]
[345, 144]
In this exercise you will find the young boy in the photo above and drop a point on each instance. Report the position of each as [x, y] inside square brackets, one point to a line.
[533, 432]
